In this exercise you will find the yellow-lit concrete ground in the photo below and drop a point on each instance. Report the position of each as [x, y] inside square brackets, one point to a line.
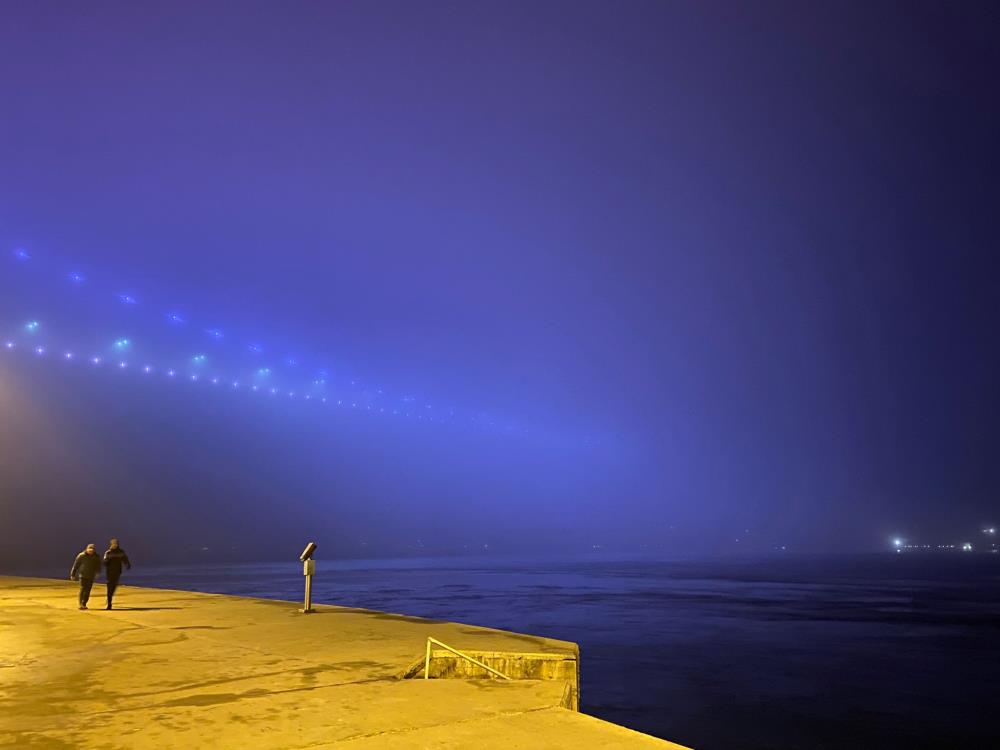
[173, 669]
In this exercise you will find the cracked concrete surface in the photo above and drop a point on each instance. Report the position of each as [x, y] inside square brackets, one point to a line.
[178, 669]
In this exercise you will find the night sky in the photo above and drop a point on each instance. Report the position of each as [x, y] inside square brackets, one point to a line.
[667, 275]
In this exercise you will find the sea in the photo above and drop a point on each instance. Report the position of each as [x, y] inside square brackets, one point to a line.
[876, 651]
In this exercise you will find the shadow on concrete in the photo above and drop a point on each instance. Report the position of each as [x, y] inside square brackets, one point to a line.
[379, 615]
[141, 609]
[200, 627]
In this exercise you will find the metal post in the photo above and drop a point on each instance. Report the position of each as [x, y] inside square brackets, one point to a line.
[308, 569]
[427, 661]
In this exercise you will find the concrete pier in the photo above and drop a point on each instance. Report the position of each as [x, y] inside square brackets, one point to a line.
[175, 669]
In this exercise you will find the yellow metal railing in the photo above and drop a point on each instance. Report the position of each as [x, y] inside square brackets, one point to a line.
[427, 659]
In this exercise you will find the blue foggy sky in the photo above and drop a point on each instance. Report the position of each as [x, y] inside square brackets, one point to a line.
[729, 263]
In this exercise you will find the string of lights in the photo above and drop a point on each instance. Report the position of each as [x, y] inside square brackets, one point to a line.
[224, 362]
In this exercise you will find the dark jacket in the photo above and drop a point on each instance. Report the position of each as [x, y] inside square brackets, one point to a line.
[113, 561]
[86, 566]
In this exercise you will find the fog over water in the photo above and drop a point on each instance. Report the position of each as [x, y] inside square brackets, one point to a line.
[700, 272]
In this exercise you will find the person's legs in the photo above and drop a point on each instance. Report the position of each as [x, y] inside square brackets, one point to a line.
[112, 586]
[85, 585]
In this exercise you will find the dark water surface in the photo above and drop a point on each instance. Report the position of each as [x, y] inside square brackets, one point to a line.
[889, 651]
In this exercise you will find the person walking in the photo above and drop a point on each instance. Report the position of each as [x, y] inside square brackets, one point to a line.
[86, 568]
[114, 558]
